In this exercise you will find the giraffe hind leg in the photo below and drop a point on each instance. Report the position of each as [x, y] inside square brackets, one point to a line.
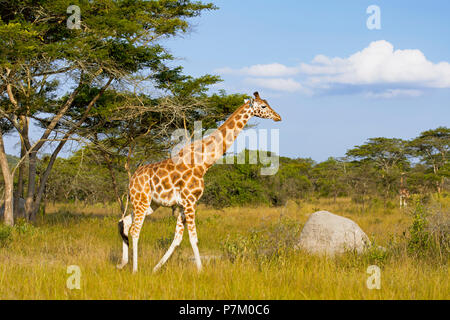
[194, 240]
[175, 243]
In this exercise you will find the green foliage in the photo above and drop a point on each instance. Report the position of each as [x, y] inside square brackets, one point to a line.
[233, 184]
[432, 148]
[241, 184]
[328, 178]
[420, 240]
[263, 245]
[23, 227]
[5, 235]
[376, 255]
[429, 233]
[384, 152]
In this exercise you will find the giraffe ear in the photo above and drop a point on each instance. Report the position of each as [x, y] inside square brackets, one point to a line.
[256, 94]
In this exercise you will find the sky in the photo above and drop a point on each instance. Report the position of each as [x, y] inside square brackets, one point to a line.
[334, 81]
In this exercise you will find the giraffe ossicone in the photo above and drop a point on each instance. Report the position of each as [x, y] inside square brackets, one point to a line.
[178, 182]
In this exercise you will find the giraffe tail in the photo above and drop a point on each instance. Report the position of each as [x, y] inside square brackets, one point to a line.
[122, 232]
[122, 222]
[126, 206]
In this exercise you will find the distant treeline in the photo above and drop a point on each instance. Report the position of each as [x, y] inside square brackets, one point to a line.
[374, 171]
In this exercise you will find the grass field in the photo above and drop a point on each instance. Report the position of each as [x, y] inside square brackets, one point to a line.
[249, 256]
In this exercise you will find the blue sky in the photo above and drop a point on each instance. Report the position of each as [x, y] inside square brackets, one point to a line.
[334, 82]
[329, 105]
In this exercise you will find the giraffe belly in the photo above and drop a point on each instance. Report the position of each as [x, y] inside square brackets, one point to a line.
[168, 198]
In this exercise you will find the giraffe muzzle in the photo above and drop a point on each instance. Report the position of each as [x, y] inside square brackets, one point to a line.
[277, 118]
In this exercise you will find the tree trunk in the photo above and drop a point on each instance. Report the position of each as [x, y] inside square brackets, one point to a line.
[44, 177]
[9, 185]
[19, 193]
[29, 201]
[34, 199]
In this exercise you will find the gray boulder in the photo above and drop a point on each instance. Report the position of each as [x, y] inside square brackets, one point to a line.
[327, 233]
[19, 214]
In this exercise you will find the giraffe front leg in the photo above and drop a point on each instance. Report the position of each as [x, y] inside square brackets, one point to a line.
[175, 243]
[124, 227]
[190, 222]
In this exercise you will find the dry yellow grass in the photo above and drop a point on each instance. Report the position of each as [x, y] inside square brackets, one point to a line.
[33, 265]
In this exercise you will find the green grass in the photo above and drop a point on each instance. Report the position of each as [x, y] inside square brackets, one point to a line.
[250, 249]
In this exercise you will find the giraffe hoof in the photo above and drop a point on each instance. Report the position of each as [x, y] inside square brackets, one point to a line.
[120, 266]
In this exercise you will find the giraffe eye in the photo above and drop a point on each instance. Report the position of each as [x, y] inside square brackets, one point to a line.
[263, 106]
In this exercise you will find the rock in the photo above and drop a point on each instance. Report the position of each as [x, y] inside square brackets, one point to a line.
[20, 214]
[327, 233]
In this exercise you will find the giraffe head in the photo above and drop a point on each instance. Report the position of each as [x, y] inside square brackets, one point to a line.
[261, 108]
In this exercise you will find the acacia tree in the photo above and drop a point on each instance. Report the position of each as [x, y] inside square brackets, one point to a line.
[388, 155]
[40, 58]
[432, 147]
[329, 177]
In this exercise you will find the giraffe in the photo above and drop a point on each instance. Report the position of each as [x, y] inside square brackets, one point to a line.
[404, 193]
[177, 182]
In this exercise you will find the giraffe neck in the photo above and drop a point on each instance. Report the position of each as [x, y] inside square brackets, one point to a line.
[231, 128]
[207, 151]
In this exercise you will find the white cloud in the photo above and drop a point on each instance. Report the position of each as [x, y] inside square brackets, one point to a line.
[378, 71]
[277, 84]
[391, 93]
[262, 70]
[378, 64]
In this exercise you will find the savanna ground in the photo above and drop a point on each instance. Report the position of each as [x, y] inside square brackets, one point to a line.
[249, 253]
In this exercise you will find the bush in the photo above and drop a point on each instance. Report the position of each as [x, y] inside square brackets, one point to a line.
[5, 235]
[376, 254]
[429, 232]
[419, 241]
[23, 227]
[264, 245]
[20, 228]
[438, 228]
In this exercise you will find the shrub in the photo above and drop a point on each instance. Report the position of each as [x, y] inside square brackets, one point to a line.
[263, 245]
[429, 232]
[23, 227]
[419, 241]
[438, 228]
[376, 254]
[5, 235]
